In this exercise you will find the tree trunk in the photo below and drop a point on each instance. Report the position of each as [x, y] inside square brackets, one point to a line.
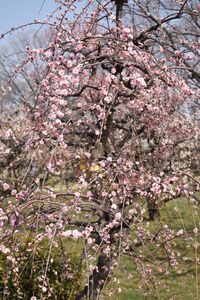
[97, 280]
[152, 209]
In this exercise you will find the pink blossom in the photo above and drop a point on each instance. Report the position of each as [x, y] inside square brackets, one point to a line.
[6, 186]
[77, 194]
[65, 209]
[49, 167]
[180, 232]
[89, 241]
[76, 234]
[108, 99]
[4, 249]
[67, 233]
[155, 188]
[69, 64]
[177, 53]
[13, 192]
[97, 132]
[114, 206]
[118, 216]
[89, 194]
[79, 46]
[48, 53]
[44, 289]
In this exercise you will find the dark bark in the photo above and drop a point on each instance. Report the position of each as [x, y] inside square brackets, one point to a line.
[119, 9]
[152, 209]
[97, 279]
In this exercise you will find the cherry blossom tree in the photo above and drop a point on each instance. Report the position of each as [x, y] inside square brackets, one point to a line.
[108, 120]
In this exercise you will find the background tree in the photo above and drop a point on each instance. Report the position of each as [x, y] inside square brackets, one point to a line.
[27, 77]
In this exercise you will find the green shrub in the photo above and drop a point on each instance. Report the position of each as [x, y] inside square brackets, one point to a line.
[41, 270]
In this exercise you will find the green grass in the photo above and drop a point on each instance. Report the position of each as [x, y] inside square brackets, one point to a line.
[181, 283]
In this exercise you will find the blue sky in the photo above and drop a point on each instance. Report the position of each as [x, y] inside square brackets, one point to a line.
[16, 12]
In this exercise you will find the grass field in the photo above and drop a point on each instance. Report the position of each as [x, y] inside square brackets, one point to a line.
[182, 283]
